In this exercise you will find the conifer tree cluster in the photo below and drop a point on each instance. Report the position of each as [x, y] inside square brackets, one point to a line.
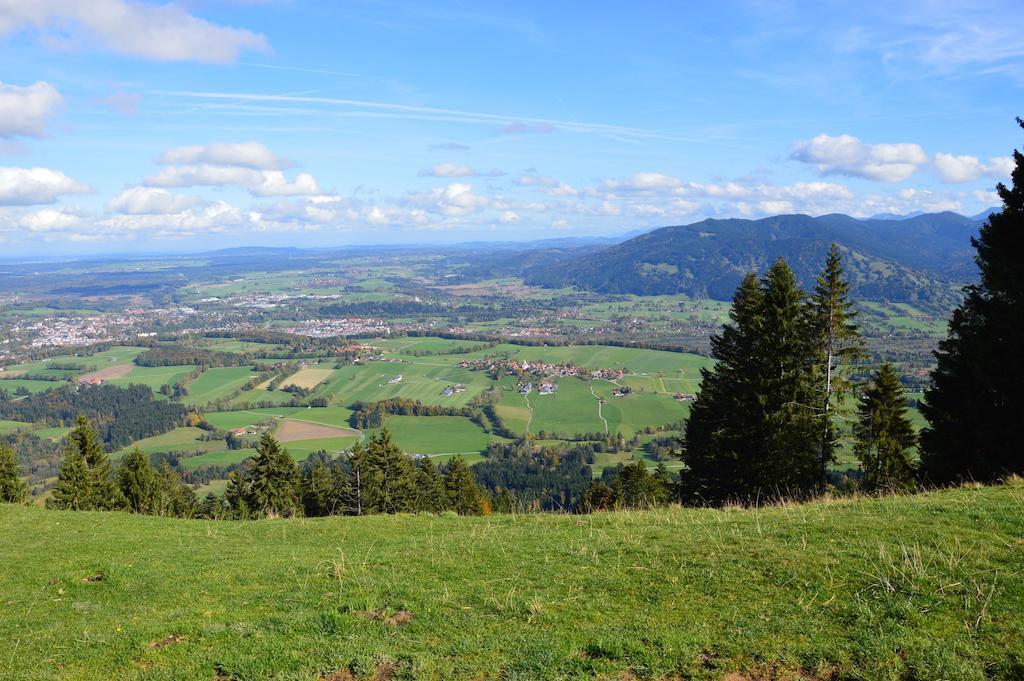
[631, 486]
[763, 423]
[87, 482]
[975, 406]
[371, 479]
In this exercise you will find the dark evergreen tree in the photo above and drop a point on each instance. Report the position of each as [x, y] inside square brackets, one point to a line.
[721, 430]
[174, 497]
[73, 490]
[318, 490]
[754, 430]
[274, 482]
[838, 345]
[464, 494]
[13, 489]
[786, 393]
[599, 497]
[138, 483]
[884, 434]
[975, 406]
[398, 475]
[85, 482]
[236, 496]
[366, 481]
[431, 493]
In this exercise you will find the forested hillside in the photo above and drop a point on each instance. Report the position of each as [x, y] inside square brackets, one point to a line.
[916, 260]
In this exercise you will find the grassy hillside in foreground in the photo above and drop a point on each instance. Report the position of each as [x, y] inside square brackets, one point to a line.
[924, 587]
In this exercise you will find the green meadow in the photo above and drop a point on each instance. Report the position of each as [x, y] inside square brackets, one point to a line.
[918, 587]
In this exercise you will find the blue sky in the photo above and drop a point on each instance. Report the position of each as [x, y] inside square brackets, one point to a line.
[136, 126]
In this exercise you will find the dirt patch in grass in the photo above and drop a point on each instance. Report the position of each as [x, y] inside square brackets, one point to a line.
[107, 373]
[340, 675]
[92, 579]
[291, 430]
[398, 619]
[168, 640]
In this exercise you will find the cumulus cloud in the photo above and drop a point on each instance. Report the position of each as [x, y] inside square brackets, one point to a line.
[163, 32]
[50, 220]
[956, 169]
[454, 200]
[30, 186]
[847, 155]
[256, 182]
[218, 217]
[151, 201]
[457, 170]
[244, 155]
[25, 110]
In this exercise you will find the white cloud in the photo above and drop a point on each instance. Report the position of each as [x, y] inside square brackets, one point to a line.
[988, 198]
[29, 186]
[508, 217]
[847, 155]
[955, 169]
[645, 182]
[49, 220]
[245, 155]
[151, 201]
[257, 182]
[24, 111]
[454, 200]
[215, 217]
[163, 32]
[457, 170]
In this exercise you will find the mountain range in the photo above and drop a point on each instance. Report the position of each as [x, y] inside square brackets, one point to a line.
[918, 259]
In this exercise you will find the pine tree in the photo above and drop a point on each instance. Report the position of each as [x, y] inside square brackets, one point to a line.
[431, 493]
[73, 490]
[720, 430]
[753, 431]
[236, 495]
[464, 493]
[884, 434]
[975, 407]
[137, 481]
[175, 498]
[13, 489]
[366, 481]
[85, 482]
[397, 475]
[317, 490]
[839, 344]
[789, 462]
[274, 481]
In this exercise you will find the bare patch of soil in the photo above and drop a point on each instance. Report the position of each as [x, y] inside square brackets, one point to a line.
[292, 430]
[107, 373]
[168, 640]
[396, 620]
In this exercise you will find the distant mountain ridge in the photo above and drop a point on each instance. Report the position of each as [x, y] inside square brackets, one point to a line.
[918, 259]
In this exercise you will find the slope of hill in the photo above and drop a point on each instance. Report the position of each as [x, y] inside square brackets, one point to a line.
[925, 586]
[917, 259]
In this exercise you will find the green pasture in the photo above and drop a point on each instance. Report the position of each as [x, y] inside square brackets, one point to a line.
[216, 383]
[437, 434]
